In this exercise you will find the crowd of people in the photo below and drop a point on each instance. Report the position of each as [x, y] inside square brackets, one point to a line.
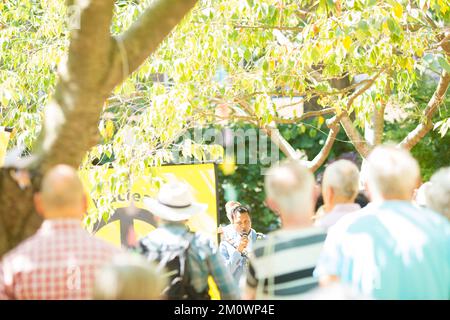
[395, 245]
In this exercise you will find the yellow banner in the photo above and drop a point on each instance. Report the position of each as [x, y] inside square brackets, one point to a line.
[4, 140]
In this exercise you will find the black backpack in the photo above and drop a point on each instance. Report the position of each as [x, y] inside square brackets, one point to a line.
[174, 259]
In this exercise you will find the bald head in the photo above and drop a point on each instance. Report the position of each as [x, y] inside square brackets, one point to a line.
[290, 186]
[61, 193]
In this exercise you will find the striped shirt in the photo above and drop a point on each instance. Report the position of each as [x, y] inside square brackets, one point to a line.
[281, 267]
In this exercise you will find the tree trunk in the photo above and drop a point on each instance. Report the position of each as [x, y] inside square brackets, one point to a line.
[96, 63]
[18, 219]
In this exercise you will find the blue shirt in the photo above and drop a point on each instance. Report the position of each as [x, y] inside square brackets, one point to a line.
[390, 250]
[234, 260]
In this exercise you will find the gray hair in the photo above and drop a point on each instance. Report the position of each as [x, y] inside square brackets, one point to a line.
[129, 277]
[290, 185]
[392, 171]
[437, 194]
[343, 177]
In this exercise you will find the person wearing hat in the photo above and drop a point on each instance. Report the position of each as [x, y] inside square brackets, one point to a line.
[173, 207]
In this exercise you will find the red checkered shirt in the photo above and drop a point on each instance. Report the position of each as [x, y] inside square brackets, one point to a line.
[58, 262]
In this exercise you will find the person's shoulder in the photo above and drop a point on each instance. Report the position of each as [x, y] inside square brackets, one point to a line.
[202, 239]
[102, 246]
[27, 247]
[204, 245]
[352, 218]
[152, 239]
[437, 224]
[436, 217]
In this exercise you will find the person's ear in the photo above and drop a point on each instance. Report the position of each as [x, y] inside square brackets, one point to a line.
[368, 191]
[37, 199]
[272, 205]
[85, 203]
[330, 193]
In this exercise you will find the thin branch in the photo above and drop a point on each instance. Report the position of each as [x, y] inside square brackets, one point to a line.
[320, 158]
[144, 36]
[363, 89]
[306, 115]
[378, 116]
[241, 26]
[358, 141]
[424, 127]
[282, 144]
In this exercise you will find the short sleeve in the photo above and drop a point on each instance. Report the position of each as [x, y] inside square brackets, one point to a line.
[330, 256]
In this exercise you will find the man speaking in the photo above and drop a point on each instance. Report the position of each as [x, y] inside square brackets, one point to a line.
[237, 241]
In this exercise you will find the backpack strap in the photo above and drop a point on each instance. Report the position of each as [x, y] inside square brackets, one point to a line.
[186, 273]
[190, 290]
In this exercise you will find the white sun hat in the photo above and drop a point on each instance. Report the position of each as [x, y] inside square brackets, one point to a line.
[174, 203]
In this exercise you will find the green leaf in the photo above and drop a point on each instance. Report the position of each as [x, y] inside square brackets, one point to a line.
[247, 54]
[444, 64]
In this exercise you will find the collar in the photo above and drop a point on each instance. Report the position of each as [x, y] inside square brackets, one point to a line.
[51, 225]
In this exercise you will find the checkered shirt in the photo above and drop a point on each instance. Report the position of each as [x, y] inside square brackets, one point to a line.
[58, 262]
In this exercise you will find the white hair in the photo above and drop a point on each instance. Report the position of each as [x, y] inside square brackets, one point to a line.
[343, 177]
[437, 194]
[392, 172]
[129, 277]
[290, 185]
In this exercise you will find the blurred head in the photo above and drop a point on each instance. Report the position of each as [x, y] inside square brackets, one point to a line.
[340, 183]
[129, 277]
[437, 194]
[290, 190]
[392, 174]
[61, 195]
[240, 217]
[229, 206]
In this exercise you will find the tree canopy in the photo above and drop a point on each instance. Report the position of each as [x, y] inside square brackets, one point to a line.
[267, 63]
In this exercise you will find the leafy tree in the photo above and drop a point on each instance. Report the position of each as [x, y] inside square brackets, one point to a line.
[332, 64]
[96, 52]
[349, 60]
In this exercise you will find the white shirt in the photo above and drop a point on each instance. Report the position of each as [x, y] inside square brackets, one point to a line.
[329, 219]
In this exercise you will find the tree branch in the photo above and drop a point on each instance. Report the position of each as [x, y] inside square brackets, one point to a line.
[144, 36]
[320, 158]
[424, 127]
[304, 116]
[281, 142]
[378, 116]
[71, 117]
[94, 66]
[358, 141]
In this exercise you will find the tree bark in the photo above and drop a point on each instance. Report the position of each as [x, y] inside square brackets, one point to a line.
[427, 124]
[320, 158]
[281, 142]
[18, 219]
